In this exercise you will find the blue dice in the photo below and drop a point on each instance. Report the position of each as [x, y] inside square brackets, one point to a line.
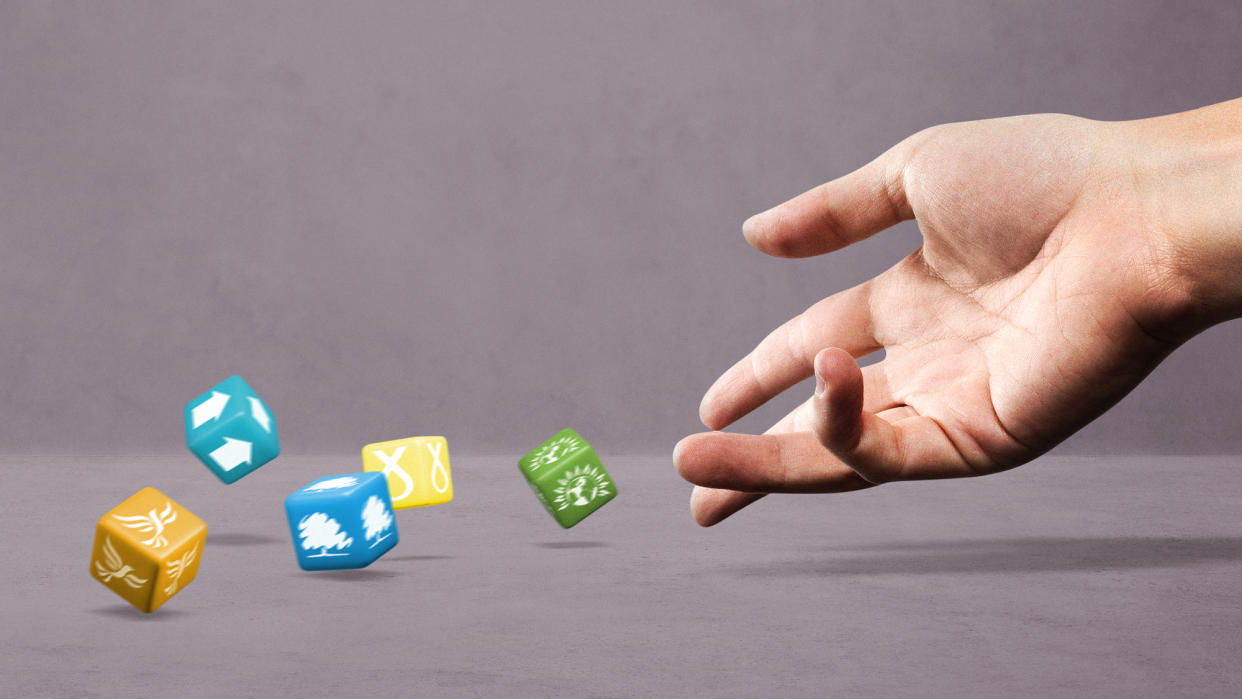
[343, 521]
[231, 430]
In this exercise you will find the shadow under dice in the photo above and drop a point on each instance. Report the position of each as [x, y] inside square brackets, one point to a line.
[147, 549]
[568, 477]
[343, 521]
[231, 430]
[417, 469]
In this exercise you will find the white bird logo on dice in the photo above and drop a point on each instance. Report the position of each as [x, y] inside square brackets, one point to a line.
[113, 568]
[177, 568]
[151, 523]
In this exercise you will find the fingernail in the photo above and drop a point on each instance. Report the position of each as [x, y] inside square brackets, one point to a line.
[821, 386]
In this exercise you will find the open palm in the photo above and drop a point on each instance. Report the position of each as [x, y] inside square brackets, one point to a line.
[1038, 299]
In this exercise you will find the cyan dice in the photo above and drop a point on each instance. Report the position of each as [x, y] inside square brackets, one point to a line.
[342, 521]
[231, 430]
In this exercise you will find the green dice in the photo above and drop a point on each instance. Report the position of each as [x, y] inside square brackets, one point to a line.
[568, 477]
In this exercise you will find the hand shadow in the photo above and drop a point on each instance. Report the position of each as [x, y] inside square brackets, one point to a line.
[1020, 555]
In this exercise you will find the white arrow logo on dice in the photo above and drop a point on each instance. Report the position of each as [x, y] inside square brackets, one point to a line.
[260, 415]
[234, 453]
[209, 409]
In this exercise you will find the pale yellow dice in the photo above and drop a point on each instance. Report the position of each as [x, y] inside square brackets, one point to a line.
[147, 549]
[417, 469]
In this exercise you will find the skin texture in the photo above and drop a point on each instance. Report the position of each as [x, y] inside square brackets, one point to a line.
[1062, 260]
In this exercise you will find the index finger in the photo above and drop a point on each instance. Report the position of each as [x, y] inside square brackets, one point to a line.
[837, 213]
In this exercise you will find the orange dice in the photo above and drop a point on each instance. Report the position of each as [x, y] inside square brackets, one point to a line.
[147, 549]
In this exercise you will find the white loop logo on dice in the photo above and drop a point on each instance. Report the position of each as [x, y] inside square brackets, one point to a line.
[439, 475]
[393, 468]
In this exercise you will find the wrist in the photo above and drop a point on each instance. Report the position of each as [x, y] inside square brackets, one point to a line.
[1187, 172]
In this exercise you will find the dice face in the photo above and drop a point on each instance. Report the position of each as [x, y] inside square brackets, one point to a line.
[568, 477]
[231, 430]
[343, 521]
[147, 549]
[417, 469]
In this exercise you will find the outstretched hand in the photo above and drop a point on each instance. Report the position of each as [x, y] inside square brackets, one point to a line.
[1043, 292]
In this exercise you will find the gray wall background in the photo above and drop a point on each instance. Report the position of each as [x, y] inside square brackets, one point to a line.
[493, 220]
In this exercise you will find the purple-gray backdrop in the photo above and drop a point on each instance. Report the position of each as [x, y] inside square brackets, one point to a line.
[493, 220]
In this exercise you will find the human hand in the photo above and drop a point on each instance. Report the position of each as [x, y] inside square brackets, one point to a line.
[1052, 279]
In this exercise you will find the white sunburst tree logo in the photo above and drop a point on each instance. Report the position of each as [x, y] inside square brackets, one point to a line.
[554, 451]
[580, 486]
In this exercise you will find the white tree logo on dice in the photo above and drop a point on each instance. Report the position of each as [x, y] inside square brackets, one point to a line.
[319, 531]
[552, 451]
[331, 484]
[376, 520]
[580, 486]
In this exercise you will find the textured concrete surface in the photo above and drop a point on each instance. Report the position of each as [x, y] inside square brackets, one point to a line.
[1068, 577]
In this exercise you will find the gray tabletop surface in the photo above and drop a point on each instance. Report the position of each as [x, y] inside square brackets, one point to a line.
[1118, 576]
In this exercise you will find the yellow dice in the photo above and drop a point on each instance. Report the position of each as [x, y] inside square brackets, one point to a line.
[417, 469]
[147, 549]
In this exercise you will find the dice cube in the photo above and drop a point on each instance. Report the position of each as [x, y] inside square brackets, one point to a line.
[568, 477]
[147, 549]
[417, 469]
[231, 430]
[342, 521]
